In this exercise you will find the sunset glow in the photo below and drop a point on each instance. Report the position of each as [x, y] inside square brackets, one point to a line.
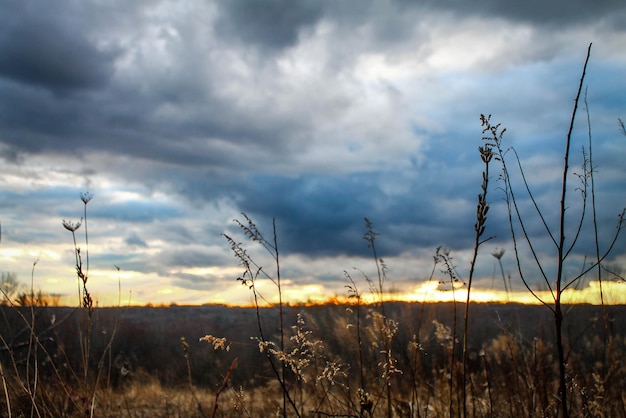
[427, 292]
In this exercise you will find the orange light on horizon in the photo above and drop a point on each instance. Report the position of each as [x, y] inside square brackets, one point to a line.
[614, 294]
[316, 294]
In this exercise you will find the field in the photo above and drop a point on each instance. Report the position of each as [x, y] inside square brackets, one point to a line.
[150, 361]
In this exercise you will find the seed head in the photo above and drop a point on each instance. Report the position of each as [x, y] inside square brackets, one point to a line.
[86, 197]
[71, 226]
[498, 253]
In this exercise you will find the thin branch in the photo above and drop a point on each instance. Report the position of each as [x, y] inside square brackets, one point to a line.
[512, 208]
[618, 229]
[584, 178]
[522, 225]
[532, 197]
[559, 273]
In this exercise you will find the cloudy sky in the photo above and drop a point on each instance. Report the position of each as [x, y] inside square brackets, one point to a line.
[180, 115]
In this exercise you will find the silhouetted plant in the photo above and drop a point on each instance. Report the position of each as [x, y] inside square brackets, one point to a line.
[482, 208]
[442, 256]
[497, 254]
[385, 328]
[563, 249]
[251, 273]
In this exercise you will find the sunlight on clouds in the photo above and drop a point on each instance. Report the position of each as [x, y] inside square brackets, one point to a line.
[10, 254]
[44, 253]
[17, 182]
[112, 287]
[113, 274]
[313, 293]
[38, 173]
[469, 45]
[125, 195]
[309, 58]
[216, 271]
[117, 193]
[374, 67]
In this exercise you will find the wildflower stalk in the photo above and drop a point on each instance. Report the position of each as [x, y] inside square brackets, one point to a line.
[497, 254]
[486, 155]
[72, 227]
[32, 348]
[370, 237]
[86, 197]
[353, 293]
[252, 271]
[417, 348]
[85, 299]
[443, 256]
[185, 346]
[280, 307]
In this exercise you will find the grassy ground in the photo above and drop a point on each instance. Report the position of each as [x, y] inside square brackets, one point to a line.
[147, 372]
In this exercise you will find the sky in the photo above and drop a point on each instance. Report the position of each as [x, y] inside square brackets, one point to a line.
[179, 116]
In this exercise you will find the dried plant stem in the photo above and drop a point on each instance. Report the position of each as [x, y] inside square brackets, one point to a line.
[32, 348]
[6, 391]
[251, 272]
[486, 154]
[223, 386]
[280, 310]
[185, 346]
[370, 237]
[563, 250]
[353, 292]
[608, 338]
[558, 310]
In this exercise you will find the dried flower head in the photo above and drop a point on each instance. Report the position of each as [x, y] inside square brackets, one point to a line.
[365, 401]
[498, 253]
[71, 226]
[86, 197]
[218, 343]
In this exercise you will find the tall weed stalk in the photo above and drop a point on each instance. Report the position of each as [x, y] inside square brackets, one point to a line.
[518, 222]
[252, 272]
[486, 154]
[387, 327]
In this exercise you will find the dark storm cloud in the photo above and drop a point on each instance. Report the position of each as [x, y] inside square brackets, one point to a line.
[129, 122]
[42, 52]
[315, 214]
[534, 11]
[272, 23]
[323, 215]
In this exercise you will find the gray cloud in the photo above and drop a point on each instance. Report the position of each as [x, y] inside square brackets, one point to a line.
[534, 11]
[272, 24]
[43, 52]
